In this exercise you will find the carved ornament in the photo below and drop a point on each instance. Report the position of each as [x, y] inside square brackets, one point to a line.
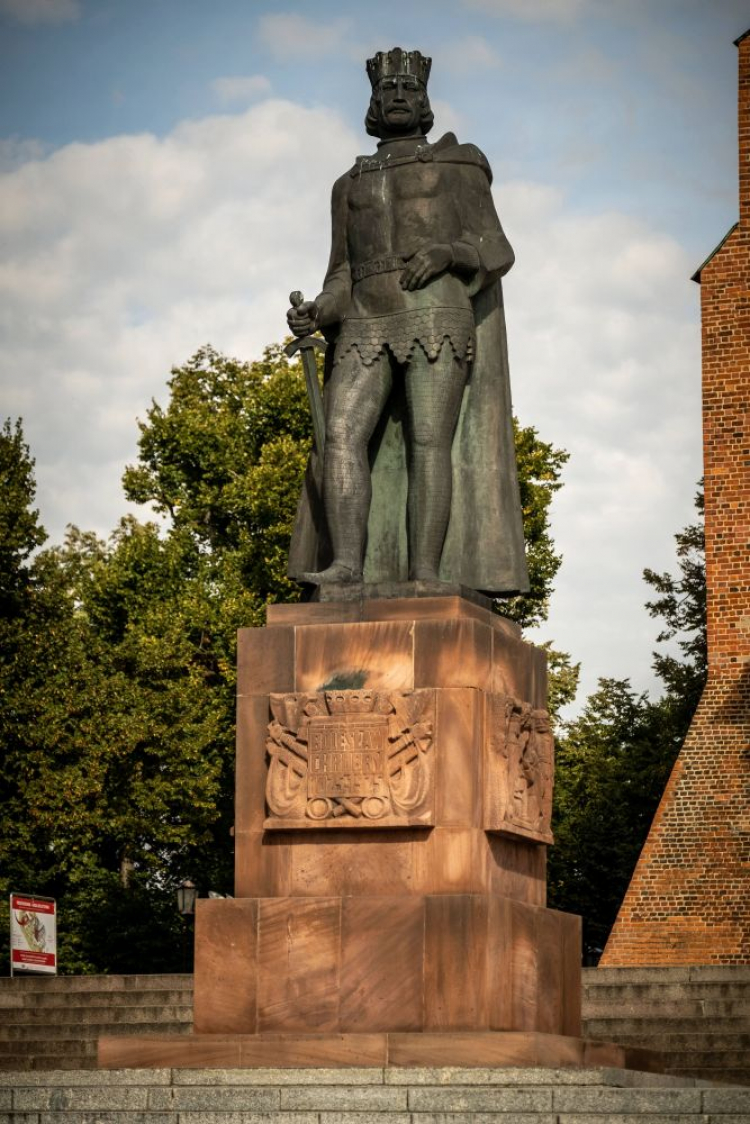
[520, 755]
[350, 759]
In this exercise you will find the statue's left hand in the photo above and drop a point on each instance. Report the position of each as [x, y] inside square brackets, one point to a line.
[426, 264]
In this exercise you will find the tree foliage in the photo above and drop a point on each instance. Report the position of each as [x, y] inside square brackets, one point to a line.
[613, 761]
[117, 672]
[681, 606]
[540, 467]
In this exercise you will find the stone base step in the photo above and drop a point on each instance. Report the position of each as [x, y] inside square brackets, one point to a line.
[673, 1009]
[370, 1095]
[674, 1035]
[666, 994]
[44, 1048]
[292, 1049]
[83, 1017]
[67, 984]
[61, 1000]
[17, 1032]
[708, 973]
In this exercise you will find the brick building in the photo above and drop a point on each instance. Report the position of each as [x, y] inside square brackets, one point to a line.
[689, 899]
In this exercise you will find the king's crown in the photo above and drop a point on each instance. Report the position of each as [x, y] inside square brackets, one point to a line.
[387, 64]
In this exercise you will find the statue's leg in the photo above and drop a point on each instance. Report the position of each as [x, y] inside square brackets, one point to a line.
[355, 398]
[433, 394]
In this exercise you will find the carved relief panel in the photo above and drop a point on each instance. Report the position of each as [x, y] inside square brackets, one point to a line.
[519, 769]
[350, 759]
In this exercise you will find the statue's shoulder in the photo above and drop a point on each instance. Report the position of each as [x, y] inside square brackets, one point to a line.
[340, 188]
[447, 150]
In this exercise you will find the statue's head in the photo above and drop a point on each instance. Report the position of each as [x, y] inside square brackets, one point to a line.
[399, 103]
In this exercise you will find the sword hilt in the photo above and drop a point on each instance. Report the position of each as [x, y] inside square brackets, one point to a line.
[296, 299]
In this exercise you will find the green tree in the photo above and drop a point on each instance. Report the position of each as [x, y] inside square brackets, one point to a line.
[681, 606]
[225, 461]
[612, 764]
[540, 467]
[117, 773]
[613, 761]
[119, 733]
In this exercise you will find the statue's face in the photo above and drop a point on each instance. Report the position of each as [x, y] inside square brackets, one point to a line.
[401, 99]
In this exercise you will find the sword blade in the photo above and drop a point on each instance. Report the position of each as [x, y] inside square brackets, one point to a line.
[315, 397]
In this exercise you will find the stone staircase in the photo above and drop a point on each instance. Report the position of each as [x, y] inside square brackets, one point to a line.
[698, 1017]
[366, 1096]
[54, 1022]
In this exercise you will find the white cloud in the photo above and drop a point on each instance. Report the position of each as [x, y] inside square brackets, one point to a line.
[605, 362]
[121, 258]
[240, 88]
[32, 12]
[290, 35]
[535, 11]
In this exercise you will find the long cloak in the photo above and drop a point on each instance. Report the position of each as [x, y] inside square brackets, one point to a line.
[484, 545]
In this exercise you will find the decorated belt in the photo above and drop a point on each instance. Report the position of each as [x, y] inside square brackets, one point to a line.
[387, 264]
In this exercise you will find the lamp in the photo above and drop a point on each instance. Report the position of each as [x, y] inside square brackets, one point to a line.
[186, 895]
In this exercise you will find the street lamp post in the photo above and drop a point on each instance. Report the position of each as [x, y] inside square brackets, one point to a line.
[186, 895]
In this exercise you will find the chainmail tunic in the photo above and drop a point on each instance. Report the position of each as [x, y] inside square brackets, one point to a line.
[400, 332]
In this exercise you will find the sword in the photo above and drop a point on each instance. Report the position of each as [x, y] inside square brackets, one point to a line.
[307, 345]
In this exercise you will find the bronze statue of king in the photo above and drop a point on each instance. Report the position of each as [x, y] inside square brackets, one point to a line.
[418, 478]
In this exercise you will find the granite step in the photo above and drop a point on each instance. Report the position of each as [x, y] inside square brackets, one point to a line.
[18, 1032]
[667, 992]
[36, 1000]
[136, 982]
[698, 1018]
[676, 1009]
[655, 974]
[718, 1030]
[366, 1096]
[85, 1015]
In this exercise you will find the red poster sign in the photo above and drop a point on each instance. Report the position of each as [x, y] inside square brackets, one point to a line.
[33, 934]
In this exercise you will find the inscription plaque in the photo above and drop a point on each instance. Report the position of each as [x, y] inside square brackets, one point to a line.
[347, 758]
[350, 759]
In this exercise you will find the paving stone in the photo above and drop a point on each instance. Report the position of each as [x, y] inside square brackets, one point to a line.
[107, 1118]
[213, 1098]
[81, 1099]
[431, 1099]
[484, 1118]
[448, 1075]
[245, 1118]
[366, 1118]
[351, 1099]
[369, 1076]
[65, 1077]
[629, 1118]
[726, 1100]
[666, 1101]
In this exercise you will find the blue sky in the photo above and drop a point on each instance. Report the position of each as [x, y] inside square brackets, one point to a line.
[165, 168]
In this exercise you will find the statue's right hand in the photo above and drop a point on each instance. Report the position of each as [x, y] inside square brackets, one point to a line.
[303, 318]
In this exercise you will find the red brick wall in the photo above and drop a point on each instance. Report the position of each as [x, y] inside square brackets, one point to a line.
[689, 899]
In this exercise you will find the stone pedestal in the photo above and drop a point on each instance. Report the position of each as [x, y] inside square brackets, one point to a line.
[394, 785]
[393, 801]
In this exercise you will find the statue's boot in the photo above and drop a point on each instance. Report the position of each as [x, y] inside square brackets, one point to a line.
[336, 572]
